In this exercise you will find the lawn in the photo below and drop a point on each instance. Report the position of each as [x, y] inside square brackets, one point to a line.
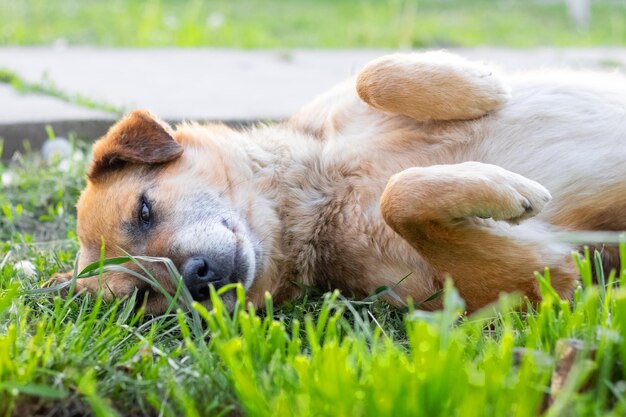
[307, 23]
[322, 355]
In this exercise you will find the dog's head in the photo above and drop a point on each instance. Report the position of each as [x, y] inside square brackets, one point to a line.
[187, 195]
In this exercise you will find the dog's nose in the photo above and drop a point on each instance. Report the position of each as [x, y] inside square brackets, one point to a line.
[198, 273]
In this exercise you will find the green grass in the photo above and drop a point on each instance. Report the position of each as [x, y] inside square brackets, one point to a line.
[307, 23]
[316, 356]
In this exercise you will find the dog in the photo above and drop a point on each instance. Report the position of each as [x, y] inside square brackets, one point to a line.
[422, 167]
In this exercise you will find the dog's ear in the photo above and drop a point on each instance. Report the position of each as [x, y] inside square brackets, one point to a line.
[138, 138]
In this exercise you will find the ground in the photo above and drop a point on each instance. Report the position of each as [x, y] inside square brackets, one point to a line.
[324, 354]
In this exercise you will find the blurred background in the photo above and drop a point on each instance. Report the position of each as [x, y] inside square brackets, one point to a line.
[313, 23]
[78, 65]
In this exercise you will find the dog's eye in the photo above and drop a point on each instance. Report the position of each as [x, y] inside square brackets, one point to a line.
[144, 213]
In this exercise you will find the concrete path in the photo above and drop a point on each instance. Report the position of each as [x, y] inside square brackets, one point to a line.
[207, 84]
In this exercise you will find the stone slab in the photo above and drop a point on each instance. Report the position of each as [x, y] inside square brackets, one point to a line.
[16, 135]
[220, 84]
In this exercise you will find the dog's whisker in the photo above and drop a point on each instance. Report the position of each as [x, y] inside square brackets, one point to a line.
[233, 185]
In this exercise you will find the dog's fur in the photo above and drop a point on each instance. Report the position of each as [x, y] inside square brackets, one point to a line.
[431, 167]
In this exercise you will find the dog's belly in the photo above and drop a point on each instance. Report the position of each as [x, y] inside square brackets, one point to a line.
[571, 138]
[369, 255]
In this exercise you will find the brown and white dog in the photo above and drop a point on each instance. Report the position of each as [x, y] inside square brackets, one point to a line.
[422, 167]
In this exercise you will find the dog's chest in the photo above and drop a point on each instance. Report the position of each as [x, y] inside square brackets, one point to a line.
[334, 234]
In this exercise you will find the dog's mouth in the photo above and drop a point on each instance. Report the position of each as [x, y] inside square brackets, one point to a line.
[246, 258]
[241, 271]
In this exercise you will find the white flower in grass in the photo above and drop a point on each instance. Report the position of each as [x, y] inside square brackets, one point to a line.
[25, 267]
[58, 149]
[64, 165]
[7, 179]
[78, 156]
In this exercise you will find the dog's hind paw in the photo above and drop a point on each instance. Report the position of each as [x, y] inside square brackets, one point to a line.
[431, 86]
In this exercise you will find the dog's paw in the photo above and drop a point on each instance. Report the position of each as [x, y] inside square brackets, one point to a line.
[512, 197]
[431, 86]
[485, 89]
[59, 281]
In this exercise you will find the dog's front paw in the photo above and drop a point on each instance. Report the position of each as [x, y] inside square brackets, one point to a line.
[59, 281]
[513, 197]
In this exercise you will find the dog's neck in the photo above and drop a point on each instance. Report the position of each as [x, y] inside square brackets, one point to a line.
[305, 200]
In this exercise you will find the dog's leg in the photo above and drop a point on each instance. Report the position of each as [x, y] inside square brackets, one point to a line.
[423, 86]
[431, 86]
[441, 211]
[112, 284]
[92, 285]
